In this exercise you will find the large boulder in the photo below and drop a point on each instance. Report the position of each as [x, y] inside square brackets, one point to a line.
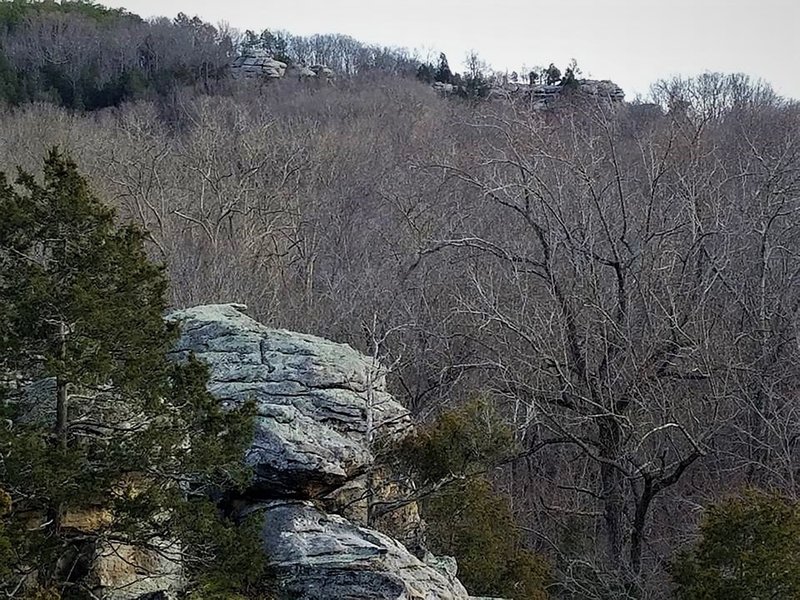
[258, 64]
[321, 408]
[320, 404]
[316, 556]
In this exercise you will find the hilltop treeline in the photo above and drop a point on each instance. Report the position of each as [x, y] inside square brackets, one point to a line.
[82, 55]
[342, 53]
[620, 282]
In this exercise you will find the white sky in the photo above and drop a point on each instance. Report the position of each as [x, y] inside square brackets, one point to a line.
[632, 42]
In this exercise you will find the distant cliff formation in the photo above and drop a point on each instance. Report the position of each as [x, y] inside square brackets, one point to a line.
[543, 95]
[259, 64]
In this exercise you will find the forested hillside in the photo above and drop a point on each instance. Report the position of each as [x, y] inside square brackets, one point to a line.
[82, 55]
[618, 281]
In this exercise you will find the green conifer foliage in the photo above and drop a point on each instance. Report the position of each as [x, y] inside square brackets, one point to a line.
[475, 524]
[749, 549]
[443, 73]
[466, 518]
[119, 428]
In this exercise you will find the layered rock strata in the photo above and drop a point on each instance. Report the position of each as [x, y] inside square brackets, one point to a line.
[321, 409]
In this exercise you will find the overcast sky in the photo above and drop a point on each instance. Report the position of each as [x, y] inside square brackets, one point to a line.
[633, 42]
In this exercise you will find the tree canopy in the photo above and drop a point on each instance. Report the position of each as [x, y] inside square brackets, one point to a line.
[749, 549]
[99, 422]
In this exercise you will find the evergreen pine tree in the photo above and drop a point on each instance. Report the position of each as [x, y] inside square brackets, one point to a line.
[464, 516]
[425, 73]
[569, 81]
[443, 73]
[97, 417]
[552, 75]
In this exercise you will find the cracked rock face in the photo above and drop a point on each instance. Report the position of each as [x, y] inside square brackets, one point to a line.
[320, 406]
[319, 557]
[319, 403]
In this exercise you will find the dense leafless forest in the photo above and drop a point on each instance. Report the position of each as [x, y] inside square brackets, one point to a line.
[622, 280]
[619, 279]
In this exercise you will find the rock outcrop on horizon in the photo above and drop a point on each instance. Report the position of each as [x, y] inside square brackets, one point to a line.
[541, 95]
[257, 64]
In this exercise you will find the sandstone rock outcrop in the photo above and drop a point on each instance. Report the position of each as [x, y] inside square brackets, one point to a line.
[256, 63]
[319, 557]
[123, 572]
[321, 408]
[319, 403]
[541, 95]
[443, 88]
[322, 71]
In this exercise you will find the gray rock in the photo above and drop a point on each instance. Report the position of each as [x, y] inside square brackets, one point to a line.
[302, 72]
[316, 556]
[443, 88]
[320, 404]
[446, 565]
[541, 96]
[322, 71]
[258, 64]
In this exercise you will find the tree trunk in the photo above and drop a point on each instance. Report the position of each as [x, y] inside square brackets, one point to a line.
[612, 486]
[639, 523]
[62, 398]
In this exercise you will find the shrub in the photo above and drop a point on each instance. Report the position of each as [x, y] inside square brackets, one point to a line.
[460, 442]
[466, 518]
[749, 549]
[475, 524]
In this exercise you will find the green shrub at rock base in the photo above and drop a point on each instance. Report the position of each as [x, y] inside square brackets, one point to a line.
[749, 549]
[475, 524]
[465, 517]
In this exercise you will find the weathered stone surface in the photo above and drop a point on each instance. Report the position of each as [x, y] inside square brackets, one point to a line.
[322, 71]
[301, 72]
[352, 501]
[319, 557]
[602, 89]
[443, 88]
[86, 519]
[258, 64]
[123, 572]
[541, 96]
[320, 404]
